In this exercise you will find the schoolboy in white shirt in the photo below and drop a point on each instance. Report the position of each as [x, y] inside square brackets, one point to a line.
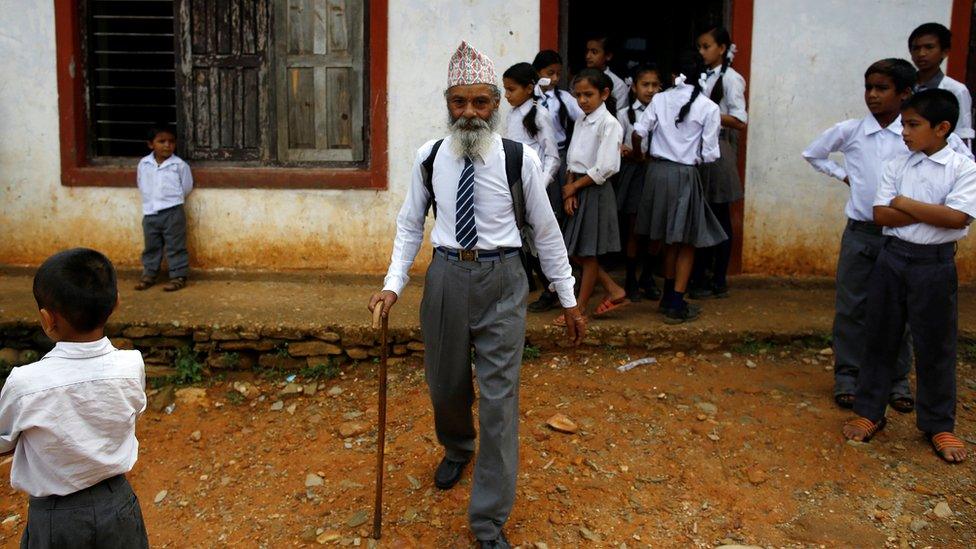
[926, 202]
[70, 417]
[929, 45]
[164, 181]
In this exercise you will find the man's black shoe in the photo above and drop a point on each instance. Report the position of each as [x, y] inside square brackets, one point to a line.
[547, 300]
[501, 542]
[448, 473]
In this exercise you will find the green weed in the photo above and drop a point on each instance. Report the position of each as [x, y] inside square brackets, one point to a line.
[188, 368]
[531, 352]
[320, 371]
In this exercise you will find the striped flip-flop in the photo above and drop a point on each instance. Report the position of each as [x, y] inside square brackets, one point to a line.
[869, 427]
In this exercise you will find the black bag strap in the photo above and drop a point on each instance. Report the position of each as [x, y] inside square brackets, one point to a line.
[513, 172]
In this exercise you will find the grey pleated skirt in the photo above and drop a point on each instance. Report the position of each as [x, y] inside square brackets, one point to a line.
[593, 230]
[720, 179]
[673, 210]
[629, 186]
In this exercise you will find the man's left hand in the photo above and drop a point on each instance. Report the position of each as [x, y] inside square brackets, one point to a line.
[575, 325]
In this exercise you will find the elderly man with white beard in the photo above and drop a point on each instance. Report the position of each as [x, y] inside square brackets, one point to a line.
[476, 289]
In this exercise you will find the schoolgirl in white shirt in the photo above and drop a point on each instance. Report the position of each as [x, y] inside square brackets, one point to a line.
[720, 179]
[591, 227]
[629, 183]
[528, 124]
[685, 125]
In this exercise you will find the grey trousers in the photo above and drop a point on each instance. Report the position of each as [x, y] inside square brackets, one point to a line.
[165, 230]
[859, 251]
[103, 516]
[480, 307]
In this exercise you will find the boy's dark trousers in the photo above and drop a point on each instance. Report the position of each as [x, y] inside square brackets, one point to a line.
[106, 515]
[917, 284]
[165, 229]
[859, 249]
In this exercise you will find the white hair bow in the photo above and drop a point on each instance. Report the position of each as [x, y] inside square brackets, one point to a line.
[543, 82]
[702, 80]
[732, 51]
[680, 79]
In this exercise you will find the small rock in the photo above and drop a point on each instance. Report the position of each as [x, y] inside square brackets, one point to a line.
[335, 391]
[160, 496]
[161, 400]
[326, 537]
[757, 476]
[885, 505]
[312, 480]
[350, 429]
[309, 389]
[561, 423]
[827, 351]
[290, 390]
[308, 534]
[357, 353]
[246, 389]
[414, 483]
[942, 510]
[750, 364]
[291, 409]
[587, 534]
[277, 406]
[357, 519]
[10, 521]
[713, 437]
[917, 525]
[195, 436]
[708, 408]
[192, 395]
[540, 545]
[925, 491]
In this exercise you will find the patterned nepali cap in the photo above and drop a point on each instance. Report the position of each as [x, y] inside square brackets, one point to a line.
[470, 66]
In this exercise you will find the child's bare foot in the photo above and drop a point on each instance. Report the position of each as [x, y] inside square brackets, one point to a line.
[948, 446]
[862, 429]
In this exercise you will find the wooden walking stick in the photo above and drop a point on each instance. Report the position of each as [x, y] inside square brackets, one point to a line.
[380, 321]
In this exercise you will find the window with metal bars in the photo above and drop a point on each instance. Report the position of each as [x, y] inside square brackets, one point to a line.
[265, 82]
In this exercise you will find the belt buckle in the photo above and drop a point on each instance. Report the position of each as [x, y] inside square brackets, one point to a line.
[468, 255]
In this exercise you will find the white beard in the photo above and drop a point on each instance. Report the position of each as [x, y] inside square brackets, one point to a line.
[474, 136]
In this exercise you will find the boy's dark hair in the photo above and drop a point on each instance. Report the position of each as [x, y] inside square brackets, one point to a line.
[524, 74]
[80, 285]
[599, 80]
[901, 72]
[937, 30]
[159, 128]
[936, 106]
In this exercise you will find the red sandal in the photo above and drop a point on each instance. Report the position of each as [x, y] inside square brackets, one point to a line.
[867, 426]
[944, 441]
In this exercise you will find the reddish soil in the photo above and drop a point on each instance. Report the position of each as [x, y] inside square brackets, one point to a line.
[698, 450]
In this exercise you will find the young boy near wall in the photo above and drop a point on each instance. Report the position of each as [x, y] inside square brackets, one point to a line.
[925, 202]
[70, 417]
[164, 180]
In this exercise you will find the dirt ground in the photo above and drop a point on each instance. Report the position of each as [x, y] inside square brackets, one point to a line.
[737, 446]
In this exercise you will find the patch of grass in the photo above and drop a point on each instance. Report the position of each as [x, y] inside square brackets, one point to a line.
[531, 352]
[231, 360]
[188, 368]
[967, 350]
[30, 356]
[751, 346]
[282, 350]
[234, 398]
[328, 370]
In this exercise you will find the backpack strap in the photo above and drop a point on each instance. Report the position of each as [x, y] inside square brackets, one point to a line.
[513, 171]
[427, 170]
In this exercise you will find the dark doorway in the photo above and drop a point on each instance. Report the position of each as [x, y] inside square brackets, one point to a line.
[653, 31]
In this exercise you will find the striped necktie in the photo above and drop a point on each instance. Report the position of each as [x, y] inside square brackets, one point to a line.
[464, 225]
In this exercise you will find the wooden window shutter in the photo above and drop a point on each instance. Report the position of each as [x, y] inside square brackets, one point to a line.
[320, 49]
[223, 78]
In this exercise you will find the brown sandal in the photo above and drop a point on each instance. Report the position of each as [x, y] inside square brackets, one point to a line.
[864, 424]
[175, 284]
[145, 283]
[944, 441]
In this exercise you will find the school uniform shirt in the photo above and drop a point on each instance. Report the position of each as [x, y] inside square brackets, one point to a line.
[621, 91]
[544, 142]
[964, 126]
[70, 417]
[946, 177]
[623, 117]
[867, 147]
[595, 148]
[733, 101]
[494, 214]
[163, 185]
[550, 100]
[694, 140]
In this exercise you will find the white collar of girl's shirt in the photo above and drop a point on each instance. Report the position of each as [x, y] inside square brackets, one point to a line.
[596, 115]
[524, 108]
[637, 105]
